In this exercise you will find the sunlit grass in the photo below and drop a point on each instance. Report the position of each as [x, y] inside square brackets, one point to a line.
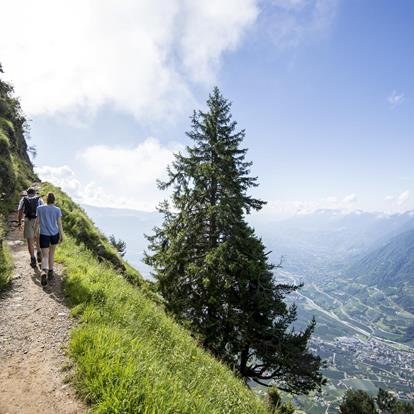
[6, 265]
[132, 358]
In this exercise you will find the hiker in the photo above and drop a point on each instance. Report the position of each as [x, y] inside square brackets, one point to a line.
[49, 220]
[27, 207]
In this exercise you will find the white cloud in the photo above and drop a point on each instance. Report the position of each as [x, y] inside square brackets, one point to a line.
[395, 99]
[349, 199]
[130, 174]
[122, 177]
[403, 197]
[291, 22]
[140, 56]
[65, 178]
[62, 177]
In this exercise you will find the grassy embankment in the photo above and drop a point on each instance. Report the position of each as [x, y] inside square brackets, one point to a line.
[6, 264]
[132, 358]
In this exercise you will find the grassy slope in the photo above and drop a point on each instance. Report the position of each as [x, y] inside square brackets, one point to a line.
[6, 265]
[132, 358]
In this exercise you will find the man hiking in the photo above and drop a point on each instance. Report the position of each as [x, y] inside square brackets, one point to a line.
[27, 207]
[49, 220]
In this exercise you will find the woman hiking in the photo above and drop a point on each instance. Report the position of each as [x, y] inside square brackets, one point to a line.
[49, 220]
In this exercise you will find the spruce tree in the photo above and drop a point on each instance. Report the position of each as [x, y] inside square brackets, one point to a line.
[212, 269]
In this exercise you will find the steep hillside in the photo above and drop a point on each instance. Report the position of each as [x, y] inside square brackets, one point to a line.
[378, 289]
[391, 268]
[16, 169]
[132, 358]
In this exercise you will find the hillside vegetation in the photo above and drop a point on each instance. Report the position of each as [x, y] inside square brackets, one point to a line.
[390, 266]
[386, 274]
[16, 170]
[5, 260]
[132, 358]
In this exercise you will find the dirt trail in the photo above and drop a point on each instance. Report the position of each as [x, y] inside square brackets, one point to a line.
[34, 324]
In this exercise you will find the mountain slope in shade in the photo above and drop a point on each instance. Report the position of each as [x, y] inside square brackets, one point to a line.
[390, 268]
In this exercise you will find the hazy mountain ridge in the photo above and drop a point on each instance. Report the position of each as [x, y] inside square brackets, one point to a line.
[312, 244]
[390, 267]
[328, 240]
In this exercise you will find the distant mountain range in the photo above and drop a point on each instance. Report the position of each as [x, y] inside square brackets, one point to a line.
[312, 244]
[328, 240]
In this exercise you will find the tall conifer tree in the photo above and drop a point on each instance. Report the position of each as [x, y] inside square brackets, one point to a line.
[213, 270]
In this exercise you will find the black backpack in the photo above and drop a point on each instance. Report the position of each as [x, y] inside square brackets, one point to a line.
[30, 206]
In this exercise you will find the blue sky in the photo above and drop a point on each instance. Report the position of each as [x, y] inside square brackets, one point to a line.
[324, 89]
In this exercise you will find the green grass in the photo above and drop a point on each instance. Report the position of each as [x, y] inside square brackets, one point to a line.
[132, 358]
[16, 172]
[6, 265]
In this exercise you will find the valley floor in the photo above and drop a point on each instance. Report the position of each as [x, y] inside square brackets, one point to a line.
[356, 353]
[34, 325]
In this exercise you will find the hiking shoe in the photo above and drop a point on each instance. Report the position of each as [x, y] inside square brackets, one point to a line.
[39, 257]
[33, 262]
[50, 274]
[43, 280]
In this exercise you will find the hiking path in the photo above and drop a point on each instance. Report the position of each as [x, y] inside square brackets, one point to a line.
[34, 325]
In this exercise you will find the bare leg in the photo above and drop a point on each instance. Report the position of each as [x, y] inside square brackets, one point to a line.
[52, 256]
[37, 243]
[45, 259]
[30, 246]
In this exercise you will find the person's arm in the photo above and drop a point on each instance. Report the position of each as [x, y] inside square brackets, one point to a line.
[20, 214]
[61, 237]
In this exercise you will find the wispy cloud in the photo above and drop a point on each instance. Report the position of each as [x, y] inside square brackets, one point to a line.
[399, 202]
[403, 197]
[350, 198]
[287, 208]
[395, 99]
[291, 22]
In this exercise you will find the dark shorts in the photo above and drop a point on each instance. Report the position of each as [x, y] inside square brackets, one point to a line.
[46, 241]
